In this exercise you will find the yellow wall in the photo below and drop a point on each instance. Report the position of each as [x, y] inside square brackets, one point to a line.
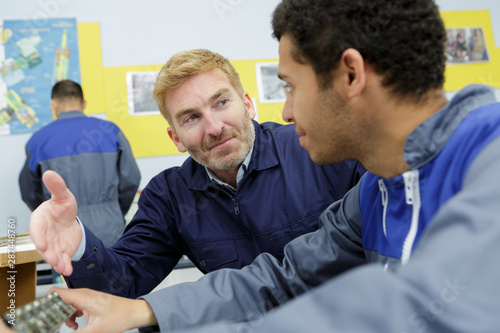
[89, 42]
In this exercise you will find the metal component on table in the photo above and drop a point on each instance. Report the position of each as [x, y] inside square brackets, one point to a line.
[44, 315]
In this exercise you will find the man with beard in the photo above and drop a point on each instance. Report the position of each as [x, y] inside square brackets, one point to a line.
[247, 188]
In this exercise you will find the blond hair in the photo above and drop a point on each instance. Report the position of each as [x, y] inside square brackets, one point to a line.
[183, 65]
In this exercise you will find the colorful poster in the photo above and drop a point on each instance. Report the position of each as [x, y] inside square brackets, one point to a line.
[34, 55]
[466, 45]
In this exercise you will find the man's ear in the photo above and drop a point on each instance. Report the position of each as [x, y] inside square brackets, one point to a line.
[175, 139]
[249, 104]
[352, 73]
[53, 108]
[84, 105]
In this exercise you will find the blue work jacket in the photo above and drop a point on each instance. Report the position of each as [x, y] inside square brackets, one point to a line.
[94, 158]
[182, 211]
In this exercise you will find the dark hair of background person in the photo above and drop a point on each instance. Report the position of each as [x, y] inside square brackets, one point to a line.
[67, 89]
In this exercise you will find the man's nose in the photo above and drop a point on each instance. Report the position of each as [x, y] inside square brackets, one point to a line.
[287, 113]
[213, 124]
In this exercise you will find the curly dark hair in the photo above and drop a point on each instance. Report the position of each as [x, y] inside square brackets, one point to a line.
[403, 40]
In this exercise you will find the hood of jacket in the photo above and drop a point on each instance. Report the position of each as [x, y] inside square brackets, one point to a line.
[429, 138]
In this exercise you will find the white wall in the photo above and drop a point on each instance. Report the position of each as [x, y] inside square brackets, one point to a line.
[149, 32]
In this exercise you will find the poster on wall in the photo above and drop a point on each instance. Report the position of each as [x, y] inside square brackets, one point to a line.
[270, 87]
[140, 93]
[34, 55]
[466, 45]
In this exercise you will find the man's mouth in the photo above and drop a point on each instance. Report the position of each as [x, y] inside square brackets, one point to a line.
[221, 144]
[302, 136]
[299, 131]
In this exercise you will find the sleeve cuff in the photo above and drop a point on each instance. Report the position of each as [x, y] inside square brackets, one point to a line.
[81, 249]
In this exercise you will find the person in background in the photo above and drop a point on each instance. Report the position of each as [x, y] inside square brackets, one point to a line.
[93, 157]
[247, 188]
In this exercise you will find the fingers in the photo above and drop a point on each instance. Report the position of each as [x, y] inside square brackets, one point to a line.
[83, 299]
[75, 297]
[46, 242]
[71, 321]
[87, 302]
[60, 265]
[4, 328]
[67, 267]
[38, 230]
[56, 185]
[105, 312]
[61, 208]
[52, 259]
[53, 226]
[61, 262]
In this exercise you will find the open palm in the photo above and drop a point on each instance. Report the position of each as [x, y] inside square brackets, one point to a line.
[53, 225]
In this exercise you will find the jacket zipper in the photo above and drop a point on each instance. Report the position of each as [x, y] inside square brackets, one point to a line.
[412, 192]
[233, 196]
[385, 201]
[237, 210]
[236, 203]
[236, 207]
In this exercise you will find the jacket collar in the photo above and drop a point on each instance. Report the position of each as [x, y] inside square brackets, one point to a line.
[263, 157]
[70, 114]
[429, 138]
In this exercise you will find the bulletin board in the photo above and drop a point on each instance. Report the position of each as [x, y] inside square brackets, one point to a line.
[106, 88]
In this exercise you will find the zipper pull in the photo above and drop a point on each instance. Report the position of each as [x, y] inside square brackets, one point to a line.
[385, 201]
[236, 208]
[412, 192]
[383, 191]
[409, 178]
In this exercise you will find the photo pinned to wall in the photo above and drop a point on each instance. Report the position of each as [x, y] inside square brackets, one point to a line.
[140, 93]
[270, 87]
[466, 45]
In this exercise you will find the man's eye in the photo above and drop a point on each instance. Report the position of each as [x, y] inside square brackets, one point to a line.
[191, 118]
[287, 88]
[223, 102]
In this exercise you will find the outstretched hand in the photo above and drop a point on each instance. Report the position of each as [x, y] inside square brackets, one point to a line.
[53, 225]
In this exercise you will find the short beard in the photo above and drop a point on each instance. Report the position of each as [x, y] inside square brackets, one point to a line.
[248, 138]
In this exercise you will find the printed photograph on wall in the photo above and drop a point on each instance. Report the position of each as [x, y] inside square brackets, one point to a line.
[271, 89]
[466, 45]
[140, 93]
[34, 55]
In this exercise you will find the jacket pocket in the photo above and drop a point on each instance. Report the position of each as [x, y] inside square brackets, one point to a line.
[214, 255]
